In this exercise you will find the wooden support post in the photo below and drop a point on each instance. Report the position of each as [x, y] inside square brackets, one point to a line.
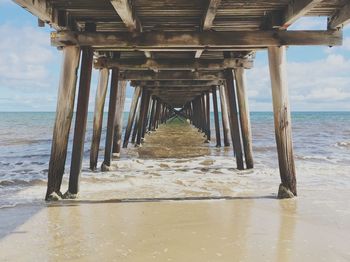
[282, 119]
[207, 114]
[141, 117]
[80, 122]
[98, 116]
[224, 116]
[118, 122]
[110, 122]
[153, 108]
[131, 116]
[233, 119]
[136, 124]
[154, 120]
[216, 117]
[64, 114]
[244, 117]
[144, 127]
[159, 108]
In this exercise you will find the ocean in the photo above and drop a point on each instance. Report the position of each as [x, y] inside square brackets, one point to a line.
[321, 147]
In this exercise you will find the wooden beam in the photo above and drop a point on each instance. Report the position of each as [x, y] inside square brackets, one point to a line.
[244, 117]
[216, 117]
[210, 14]
[41, 9]
[98, 116]
[170, 75]
[80, 123]
[63, 120]
[131, 117]
[224, 116]
[154, 41]
[118, 122]
[295, 10]
[340, 18]
[282, 120]
[124, 10]
[182, 83]
[174, 64]
[110, 122]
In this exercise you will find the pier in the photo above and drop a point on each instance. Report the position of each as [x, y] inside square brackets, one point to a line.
[178, 55]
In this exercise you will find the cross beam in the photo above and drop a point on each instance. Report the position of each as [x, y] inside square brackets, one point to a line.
[340, 18]
[167, 83]
[170, 75]
[157, 41]
[190, 64]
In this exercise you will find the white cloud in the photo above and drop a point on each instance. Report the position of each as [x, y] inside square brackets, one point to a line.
[317, 85]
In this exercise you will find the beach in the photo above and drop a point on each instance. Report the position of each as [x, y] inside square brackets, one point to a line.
[185, 204]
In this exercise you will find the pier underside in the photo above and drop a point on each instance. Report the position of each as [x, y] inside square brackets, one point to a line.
[184, 59]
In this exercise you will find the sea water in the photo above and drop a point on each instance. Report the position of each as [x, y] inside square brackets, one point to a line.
[321, 149]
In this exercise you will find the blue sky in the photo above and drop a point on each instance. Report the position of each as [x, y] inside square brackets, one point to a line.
[318, 77]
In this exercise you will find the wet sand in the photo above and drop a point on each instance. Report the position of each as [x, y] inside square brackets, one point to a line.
[127, 226]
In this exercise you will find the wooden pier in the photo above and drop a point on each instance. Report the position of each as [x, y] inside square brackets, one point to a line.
[177, 54]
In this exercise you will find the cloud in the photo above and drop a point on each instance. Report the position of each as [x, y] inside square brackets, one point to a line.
[317, 85]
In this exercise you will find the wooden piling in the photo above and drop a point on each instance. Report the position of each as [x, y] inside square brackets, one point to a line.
[141, 117]
[98, 116]
[282, 120]
[224, 116]
[80, 122]
[153, 108]
[131, 116]
[216, 117]
[110, 122]
[64, 114]
[207, 114]
[244, 117]
[233, 119]
[118, 122]
[136, 124]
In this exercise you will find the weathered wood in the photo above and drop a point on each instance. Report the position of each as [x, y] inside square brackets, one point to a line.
[210, 14]
[141, 117]
[153, 109]
[192, 41]
[145, 121]
[244, 117]
[179, 64]
[233, 119]
[98, 116]
[80, 121]
[124, 10]
[41, 9]
[112, 107]
[198, 53]
[295, 10]
[216, 117]
[135, 129]
[207, 114]
[340, 18]
[224, 116]
[118, 122]
[176, 83]
[170, 75]
[282, 120]
[131, 117]
[64, 113]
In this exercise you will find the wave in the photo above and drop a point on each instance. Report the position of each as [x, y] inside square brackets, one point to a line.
[343, 144]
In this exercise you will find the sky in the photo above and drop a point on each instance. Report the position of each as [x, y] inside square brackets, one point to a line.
[318, 77]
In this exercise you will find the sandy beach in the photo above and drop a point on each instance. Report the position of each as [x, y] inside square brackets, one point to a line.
[185, 209]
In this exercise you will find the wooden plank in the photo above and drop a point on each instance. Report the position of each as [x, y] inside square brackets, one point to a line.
[154, 41]
[131, 117]
[216, 117]
[112, 107]
[124, 10]
[41, 9]
[297, 9]
[98, 116]
[174, 64]
[340, 18]
[224, 116]
[80, 122]
[233, 119]
[118, 122]
[170, 75]
[282, 120]
[244, 117]
[175, 82]
[64, 114]
[210, 14]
